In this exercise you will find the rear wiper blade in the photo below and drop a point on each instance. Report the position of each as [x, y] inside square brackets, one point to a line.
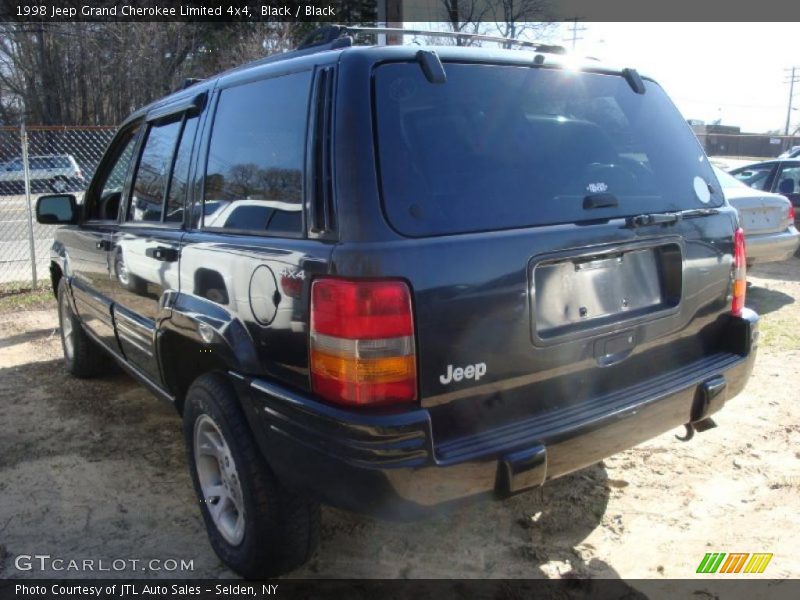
[668, 218]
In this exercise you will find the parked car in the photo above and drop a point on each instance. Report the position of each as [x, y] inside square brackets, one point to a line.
[767, 220]
[48, 173]
[777, 176]
[793, 152]
[502, 267]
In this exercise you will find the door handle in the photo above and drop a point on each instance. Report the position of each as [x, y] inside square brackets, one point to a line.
[163, 253]
[104, 245]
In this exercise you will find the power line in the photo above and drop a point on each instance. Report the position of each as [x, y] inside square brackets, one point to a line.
[575, 31]
[793, 78]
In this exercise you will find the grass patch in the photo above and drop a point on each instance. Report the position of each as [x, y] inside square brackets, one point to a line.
[779, 313]
[779, 333]
[14, 298]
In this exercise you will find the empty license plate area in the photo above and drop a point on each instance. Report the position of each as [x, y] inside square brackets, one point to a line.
[762, 219]
[574, 294]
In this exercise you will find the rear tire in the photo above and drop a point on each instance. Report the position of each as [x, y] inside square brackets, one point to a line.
[255, 525]
[59, 184]
[82, 356]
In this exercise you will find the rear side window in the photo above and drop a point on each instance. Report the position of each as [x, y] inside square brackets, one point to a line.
[161, 182]
[756, 176]
[152, 175]
[497, 147]
[254, 175]
[49, 162]
[179, 181]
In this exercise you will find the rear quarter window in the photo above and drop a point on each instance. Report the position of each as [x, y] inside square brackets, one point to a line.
[498, 147]
[256, 156]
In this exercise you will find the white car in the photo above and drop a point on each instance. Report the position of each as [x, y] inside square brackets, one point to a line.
[767, 220]
[793, 152]
[48, 173]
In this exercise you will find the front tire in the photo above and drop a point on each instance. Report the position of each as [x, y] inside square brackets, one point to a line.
[128, 280]
[83, 358]
[255, 525]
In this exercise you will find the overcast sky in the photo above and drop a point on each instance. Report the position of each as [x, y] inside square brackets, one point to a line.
[732, 71]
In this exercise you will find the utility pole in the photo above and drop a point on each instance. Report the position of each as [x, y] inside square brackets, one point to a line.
[793, 78]
[575, 31]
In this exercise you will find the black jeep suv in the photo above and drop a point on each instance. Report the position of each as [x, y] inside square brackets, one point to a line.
[392, 278]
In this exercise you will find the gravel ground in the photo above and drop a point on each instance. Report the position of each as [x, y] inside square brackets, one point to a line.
[96, 469]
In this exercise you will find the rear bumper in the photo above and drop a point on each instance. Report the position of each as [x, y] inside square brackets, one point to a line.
[390, 465]
[772, 247]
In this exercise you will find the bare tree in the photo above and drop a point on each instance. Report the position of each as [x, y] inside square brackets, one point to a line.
[515, 18]
[466, 16]
[507, 18]
[97, 73]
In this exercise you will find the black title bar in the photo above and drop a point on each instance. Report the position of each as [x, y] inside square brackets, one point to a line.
[397, 11]
[424, 589]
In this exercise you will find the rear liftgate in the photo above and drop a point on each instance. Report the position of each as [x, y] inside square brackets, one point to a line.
[605, 295]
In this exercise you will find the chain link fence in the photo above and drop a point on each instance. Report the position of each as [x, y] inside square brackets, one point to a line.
[36, 161]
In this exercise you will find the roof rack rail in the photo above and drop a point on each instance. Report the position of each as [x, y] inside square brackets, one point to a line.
[539, 46]
[333, 37]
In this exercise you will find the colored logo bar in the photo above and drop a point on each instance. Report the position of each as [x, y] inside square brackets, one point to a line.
[734, 562]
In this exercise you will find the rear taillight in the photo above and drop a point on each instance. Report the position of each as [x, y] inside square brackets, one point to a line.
[292, 286]
[791, 214]
[739, 273]
[362, 342]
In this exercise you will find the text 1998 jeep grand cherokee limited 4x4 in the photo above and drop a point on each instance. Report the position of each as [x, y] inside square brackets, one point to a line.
[391, 278]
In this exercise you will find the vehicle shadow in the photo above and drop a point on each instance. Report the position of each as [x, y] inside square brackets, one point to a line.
[787, 270]
[28, 336]
[538, 534]
[764, 300]
[111, 425]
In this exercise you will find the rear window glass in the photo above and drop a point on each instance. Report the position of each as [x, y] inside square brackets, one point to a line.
[497, 147]
[755, 176]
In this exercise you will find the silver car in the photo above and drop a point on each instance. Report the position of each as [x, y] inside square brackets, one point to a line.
[48, 173]
[767, 220]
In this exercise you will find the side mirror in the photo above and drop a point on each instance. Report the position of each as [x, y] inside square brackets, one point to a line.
[57, 209]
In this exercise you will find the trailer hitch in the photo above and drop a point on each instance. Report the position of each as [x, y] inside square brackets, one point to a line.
[698, 426]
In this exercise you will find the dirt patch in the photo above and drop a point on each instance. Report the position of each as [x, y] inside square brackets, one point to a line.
[96, 469]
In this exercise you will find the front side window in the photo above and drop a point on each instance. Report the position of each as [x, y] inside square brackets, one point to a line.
[254, 174]
[104, 204]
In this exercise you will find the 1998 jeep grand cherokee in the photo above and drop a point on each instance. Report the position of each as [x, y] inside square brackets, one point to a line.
[390, 278]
